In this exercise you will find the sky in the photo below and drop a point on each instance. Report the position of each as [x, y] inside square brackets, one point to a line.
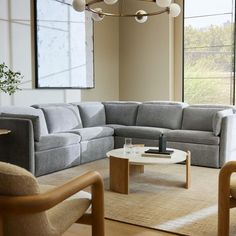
[207, 7]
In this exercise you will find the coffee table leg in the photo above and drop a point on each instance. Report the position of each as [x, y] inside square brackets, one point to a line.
[188, 167]
[136, 169]
[119, 175]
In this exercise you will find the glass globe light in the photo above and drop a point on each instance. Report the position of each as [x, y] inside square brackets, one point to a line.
[140, 18]
[110, 2]
[174, 9]
[97, 16]
[163, 3]
[79, 5]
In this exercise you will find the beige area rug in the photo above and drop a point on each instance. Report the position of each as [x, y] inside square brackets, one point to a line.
[158, 198]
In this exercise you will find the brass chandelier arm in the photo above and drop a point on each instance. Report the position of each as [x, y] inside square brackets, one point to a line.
[147, 0]
[125, 15]
[97, 1]
[93, 2]
[141, 16]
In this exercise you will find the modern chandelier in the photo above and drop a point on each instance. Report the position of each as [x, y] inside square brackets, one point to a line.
[140, 16]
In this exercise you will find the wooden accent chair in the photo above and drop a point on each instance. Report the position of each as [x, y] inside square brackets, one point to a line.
[26, 210]
[226, 197]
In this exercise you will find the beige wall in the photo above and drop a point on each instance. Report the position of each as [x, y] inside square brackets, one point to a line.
[16, 51]
[146, 66]
[106, 48]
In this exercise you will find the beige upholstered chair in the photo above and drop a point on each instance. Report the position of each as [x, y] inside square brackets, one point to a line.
[26, 210]
[226, 198]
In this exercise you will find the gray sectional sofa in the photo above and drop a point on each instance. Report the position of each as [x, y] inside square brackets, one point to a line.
[51, 137]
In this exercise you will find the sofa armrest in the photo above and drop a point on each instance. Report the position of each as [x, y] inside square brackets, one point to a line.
[18, 146]
[218, 119]
[228, 139]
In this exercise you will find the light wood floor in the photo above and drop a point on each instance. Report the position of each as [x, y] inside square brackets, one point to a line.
[115, 229]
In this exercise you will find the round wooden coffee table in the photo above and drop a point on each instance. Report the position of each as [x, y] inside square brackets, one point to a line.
[123, 165]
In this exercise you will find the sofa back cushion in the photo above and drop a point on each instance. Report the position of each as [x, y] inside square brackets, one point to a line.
[121, 113]
[92, 113]
[61, 117]
[199, 118]
[161, 115]
[183, 104]
[35, 115]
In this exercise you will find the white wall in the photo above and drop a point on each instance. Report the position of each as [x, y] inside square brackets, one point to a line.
[16, 51]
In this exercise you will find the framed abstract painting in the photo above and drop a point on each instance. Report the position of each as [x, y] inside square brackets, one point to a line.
[64, 46]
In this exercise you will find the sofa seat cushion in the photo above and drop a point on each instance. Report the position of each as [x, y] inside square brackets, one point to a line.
[114, 126]
[58, 140]
[74, 208]
[93, 132]
[193, 136]
[140, 132]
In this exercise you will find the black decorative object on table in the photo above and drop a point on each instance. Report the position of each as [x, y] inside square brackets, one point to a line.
[162, 143]
[162, 147]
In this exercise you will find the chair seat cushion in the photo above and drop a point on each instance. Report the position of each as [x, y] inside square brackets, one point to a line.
[63, 215]
[66, 213]
[193, 136]
[93, 132]
[140, 132]
[58, 140]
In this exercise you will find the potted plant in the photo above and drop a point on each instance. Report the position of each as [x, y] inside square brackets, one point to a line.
[9, 80]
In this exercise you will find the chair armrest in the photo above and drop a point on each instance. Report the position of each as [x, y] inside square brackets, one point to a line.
[225, 201]
[18, 146]
[228, 169]
[45, 201]
[228, 139]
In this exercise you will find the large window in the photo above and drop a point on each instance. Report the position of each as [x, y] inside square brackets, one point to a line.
[209, 51]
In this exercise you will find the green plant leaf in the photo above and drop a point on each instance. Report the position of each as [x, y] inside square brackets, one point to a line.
[9, 80]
